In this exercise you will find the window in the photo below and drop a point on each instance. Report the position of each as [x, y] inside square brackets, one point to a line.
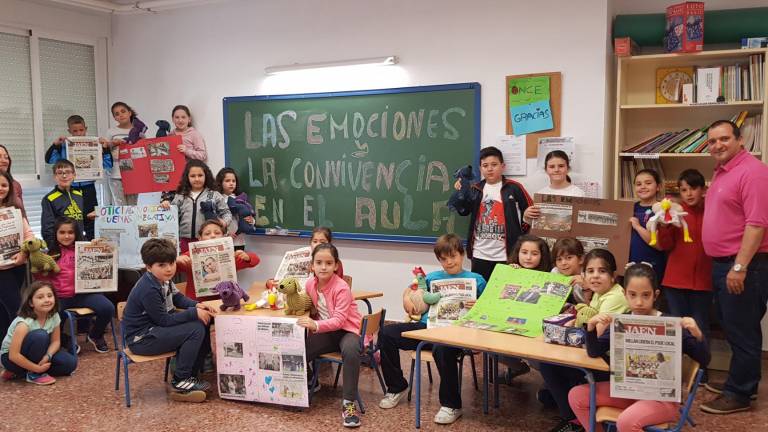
[45, 78]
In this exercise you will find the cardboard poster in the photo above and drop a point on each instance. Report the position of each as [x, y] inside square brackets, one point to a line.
[261, 359]
[130, 226]
[517, 300]
[151, 165]
[597, 223]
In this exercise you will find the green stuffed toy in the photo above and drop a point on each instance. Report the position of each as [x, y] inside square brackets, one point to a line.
[584, 314]
[39, 262]
[297, 302]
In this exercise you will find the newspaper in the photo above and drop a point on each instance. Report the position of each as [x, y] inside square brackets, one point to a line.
[95, 267]
[646, 357]
[454, 293]
[554, 217]
[85, 153]
[261, 359]
[213, 261]
[296, 263]
[11, 231]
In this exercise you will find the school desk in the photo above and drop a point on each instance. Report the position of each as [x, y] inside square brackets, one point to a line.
[508, 345]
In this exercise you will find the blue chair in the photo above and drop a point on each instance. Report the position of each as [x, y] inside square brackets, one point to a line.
[370, 325]
[74, 314]
[126, 357]
[426, 356]
[692, 374]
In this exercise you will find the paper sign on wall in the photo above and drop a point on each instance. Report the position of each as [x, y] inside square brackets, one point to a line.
[532, 117]
[513, 149]
[549, 144]
[526, 90]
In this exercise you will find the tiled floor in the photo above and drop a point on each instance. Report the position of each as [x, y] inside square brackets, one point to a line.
[87, 402]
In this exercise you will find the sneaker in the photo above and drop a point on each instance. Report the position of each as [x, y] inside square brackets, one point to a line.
[99, 344]
[567, 426]
[194, 396]
[66, 343]
[447, 415]
[545, 397]
[717, 388]
[7, 375]
[349, 415]
[40, 379]
[190, 384]
[392, 399]
[724, 405]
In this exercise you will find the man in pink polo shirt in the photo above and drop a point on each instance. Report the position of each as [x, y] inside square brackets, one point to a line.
[735, 222]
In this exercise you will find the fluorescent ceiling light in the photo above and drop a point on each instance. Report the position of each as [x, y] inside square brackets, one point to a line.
[371, 61]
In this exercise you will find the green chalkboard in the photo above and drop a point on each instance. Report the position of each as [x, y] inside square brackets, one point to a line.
[374, 165]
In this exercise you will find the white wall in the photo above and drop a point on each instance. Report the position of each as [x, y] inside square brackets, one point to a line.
[49, 17]
[199, 55]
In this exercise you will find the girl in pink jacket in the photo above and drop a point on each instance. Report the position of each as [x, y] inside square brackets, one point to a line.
[192, 142]
[336, 326]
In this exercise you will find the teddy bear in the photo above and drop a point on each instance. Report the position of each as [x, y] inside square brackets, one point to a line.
[417, 298]
[584, 314]
[239, 206]
[39, 262]
[230, 293]
[163, 128]
[297, 302]
[465, 177]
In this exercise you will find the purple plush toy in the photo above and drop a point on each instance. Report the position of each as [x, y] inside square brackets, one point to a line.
[230, 293]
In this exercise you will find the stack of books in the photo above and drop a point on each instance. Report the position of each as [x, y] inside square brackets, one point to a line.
[730, 83]
[695, 140]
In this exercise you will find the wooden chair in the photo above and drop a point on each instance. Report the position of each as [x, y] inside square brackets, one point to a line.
[126, 357]
[426, 356]
[370, 325]
[348, 280]
[74, 314]
[691, 379]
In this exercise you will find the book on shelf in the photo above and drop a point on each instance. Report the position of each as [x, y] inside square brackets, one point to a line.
[695, 140]
[728, 83]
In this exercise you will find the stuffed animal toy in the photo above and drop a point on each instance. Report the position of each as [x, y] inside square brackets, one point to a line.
[465, 177]
[584, 313]
[230, 293]
[240, 207]
[417, 298]
[163, 128]
[138, 128]
[39, 261]
[667, 212]
[208, 209]
[296, 301]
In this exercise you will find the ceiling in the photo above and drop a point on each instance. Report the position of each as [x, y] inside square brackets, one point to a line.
[130, 6]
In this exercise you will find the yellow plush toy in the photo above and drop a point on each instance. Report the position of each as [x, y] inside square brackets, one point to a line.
[297, 302]
[39, 262]
[584, 314]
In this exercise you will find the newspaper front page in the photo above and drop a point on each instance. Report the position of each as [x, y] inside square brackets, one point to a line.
[95, 267]
[261, 359]
[452, 305]
[296, 263]
[85, 154]
[213, 261]
[646, 357]
[11, 231]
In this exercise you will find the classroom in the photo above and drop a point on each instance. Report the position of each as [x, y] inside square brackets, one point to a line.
[384, 194]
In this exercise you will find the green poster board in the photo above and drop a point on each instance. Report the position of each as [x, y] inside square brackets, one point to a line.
[371, 165]
[517, 300]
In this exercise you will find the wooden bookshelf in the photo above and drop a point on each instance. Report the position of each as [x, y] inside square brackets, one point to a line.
[639, 118]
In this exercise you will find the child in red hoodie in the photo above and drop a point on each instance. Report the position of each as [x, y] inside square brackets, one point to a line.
[211, 229]
[688, 280]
